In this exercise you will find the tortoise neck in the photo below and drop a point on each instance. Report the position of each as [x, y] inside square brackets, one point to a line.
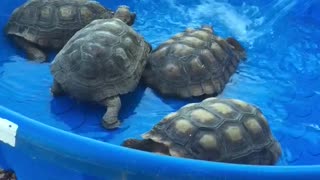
[147, 145]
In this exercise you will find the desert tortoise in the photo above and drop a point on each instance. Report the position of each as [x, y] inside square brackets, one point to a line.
[48, 24]
[100, 62]
[193, 63]
[224, 130]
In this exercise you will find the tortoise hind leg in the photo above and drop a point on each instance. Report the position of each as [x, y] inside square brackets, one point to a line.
[237, 46]
[33, 53]
[56, 89]
[110, 118]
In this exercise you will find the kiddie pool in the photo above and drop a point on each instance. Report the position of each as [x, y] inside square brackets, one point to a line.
[58, 138]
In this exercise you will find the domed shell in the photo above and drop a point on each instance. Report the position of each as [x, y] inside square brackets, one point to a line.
[192, 63]
[104, 59]
[225, 130]
[51, 23]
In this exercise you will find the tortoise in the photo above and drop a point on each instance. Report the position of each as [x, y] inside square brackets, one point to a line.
[48, 24]
[216, 129]
[193, 63]
[103, 60]
[7, 175]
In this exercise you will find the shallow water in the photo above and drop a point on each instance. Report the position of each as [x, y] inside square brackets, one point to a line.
[281, 74]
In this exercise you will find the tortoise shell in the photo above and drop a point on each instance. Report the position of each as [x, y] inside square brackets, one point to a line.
[104, 59]
[193, 63]
[51, 23]
[225, 130]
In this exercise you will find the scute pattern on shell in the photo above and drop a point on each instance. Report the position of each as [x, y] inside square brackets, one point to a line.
[225, 130]
[51, 23]
[104, 59]
[191, 63]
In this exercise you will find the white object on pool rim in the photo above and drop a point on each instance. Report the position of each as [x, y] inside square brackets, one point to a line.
[8, 131]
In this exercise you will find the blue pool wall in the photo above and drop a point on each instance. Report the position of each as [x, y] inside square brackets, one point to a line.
[44, 152]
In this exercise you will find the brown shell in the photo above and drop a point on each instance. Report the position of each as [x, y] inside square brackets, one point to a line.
[51, 23]
[225, 130]
[106, 58]
[192, 63]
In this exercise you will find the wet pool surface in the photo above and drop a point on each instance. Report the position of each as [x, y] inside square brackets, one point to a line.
[281, 74]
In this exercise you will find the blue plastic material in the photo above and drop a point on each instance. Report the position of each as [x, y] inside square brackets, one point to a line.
[44, 152]
[60, 138]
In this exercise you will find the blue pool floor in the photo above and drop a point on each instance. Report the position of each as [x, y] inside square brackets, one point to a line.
[281, 74]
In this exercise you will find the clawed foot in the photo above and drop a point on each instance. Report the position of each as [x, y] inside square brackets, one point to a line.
[110, 122]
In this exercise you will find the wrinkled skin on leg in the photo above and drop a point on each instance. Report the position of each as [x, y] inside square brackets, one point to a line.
[110, 118]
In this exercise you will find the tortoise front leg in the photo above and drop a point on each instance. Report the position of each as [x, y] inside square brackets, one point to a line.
[56, 89]
[33, 53]
[110, 118]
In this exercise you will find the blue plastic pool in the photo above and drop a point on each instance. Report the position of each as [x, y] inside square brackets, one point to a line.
[59, 138]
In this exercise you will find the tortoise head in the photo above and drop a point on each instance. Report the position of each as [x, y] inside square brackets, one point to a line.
[147, 145]
[208, 28]
[237, 47]
[123, 13]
